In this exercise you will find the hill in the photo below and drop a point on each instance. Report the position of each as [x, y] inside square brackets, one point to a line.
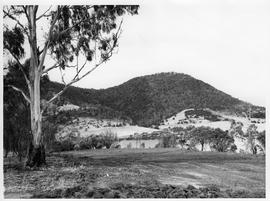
[148, 100]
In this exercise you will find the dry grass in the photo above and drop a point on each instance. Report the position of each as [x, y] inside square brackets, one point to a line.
[102, 168]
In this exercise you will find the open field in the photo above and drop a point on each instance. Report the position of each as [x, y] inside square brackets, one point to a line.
[222, 124]
[103, 169]
[86, 126]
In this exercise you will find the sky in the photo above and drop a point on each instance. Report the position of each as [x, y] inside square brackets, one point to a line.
[221, 42]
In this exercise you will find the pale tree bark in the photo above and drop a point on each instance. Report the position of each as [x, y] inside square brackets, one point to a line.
[36, 152]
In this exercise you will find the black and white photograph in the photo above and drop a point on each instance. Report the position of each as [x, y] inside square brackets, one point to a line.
[135, 99]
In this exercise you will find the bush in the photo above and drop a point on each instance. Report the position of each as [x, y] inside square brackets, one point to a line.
[86, 143]
[233, 148]
[261, 138]
[108, 138]
[65, 145]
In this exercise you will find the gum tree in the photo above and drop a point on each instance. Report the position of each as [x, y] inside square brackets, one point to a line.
[201, 135]
[78, 37]
[251, 134]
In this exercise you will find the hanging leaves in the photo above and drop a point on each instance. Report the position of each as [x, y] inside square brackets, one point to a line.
[14, 40]
[80, 29]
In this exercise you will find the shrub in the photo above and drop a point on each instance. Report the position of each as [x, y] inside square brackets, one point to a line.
[108, 138]
[65, 145]
[261, 138]
[233, 148]
[97, 142]
[86, 143]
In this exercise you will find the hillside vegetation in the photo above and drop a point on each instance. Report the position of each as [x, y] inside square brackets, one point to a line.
[148, 100]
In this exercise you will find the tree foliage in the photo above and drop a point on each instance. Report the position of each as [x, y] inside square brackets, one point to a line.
[236, 129]
[261, 138]
[86, 30]
[13, 41]
[221, 141]
[251, 135]
[16, 113]
[218, 139]
[201, 135]
[75, 33]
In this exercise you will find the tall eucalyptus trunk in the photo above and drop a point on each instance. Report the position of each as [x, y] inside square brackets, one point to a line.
[36, 151]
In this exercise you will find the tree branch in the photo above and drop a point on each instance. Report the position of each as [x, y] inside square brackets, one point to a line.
[44, 14]
[74, 80]
[56, 65]
[62, 75]
[48, 40]
[21, 91]
[48, 69]
[35, 10]
[16, 20]
[79, 70]
[26, 14]
[58, 94]
[77, 78]
[69, 28]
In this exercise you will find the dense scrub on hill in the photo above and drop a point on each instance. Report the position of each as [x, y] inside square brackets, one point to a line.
[147, 100]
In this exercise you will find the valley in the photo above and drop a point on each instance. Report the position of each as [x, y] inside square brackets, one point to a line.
[166, 135]
[134, 136]
[137, 100]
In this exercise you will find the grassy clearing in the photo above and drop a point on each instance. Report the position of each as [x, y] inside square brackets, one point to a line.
[162, 168]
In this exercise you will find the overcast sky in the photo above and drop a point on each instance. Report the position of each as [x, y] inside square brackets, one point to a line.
[224, 43]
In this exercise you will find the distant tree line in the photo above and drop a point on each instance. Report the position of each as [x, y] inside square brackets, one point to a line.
[73, 142]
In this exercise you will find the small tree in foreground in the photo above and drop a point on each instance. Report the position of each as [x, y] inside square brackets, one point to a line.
[75, 33]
